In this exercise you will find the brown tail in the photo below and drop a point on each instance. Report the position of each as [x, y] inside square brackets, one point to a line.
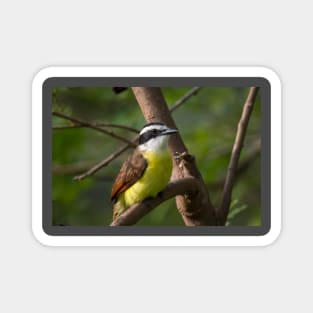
[117, 210]
[115, 214]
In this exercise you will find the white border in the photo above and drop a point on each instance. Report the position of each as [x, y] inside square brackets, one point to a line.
[276, 114]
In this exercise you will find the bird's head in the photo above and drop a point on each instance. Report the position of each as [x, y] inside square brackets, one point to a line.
[154, 136]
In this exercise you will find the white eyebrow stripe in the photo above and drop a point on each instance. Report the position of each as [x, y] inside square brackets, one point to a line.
[151, 127]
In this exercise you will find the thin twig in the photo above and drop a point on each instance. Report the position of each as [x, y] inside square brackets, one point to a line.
[193, 91]
[131, 129]
[136, 212]
[70, 169]
[103, 163]
[90, 125]
[237, 147]
[243, 166]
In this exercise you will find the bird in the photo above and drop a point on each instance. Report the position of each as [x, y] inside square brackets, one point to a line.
[147, 170]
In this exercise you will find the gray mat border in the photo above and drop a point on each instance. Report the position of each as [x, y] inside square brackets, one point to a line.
[265, 92]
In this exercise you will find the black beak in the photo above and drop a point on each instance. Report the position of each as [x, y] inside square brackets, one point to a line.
[169, 131]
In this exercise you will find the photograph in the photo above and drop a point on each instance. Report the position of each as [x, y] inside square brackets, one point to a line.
[156, 156]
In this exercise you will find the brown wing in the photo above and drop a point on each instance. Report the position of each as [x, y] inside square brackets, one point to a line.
[132, 169]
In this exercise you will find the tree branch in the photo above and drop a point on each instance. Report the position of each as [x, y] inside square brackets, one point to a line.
[70, 169]
[192, 92]
[113, 156]
[185, 186]
[243, 165]
[131, 129]
[104, 162]
[237, 147]
[197, 209]
[92, 126]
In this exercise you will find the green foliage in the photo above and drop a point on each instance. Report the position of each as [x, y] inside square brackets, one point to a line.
[207, 123]
[235, 209]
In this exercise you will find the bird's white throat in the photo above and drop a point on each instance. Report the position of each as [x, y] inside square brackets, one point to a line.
[157, 144]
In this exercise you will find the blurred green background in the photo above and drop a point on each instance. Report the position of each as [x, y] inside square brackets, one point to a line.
[207, 123]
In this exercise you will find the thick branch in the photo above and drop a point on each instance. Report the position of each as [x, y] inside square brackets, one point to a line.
[195, 210]
[92, 126]
[185, 186]
[237, 147]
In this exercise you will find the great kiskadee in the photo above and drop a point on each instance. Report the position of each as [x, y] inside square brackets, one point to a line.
[146, 172]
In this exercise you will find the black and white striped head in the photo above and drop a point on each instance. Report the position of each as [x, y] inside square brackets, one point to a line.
[154, 136]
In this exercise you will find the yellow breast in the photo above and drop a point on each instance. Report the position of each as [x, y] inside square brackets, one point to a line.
[154, 179]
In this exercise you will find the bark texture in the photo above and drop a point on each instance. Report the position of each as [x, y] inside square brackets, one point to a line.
[196, 208]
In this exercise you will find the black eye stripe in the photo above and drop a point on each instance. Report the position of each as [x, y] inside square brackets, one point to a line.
[148, 135]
